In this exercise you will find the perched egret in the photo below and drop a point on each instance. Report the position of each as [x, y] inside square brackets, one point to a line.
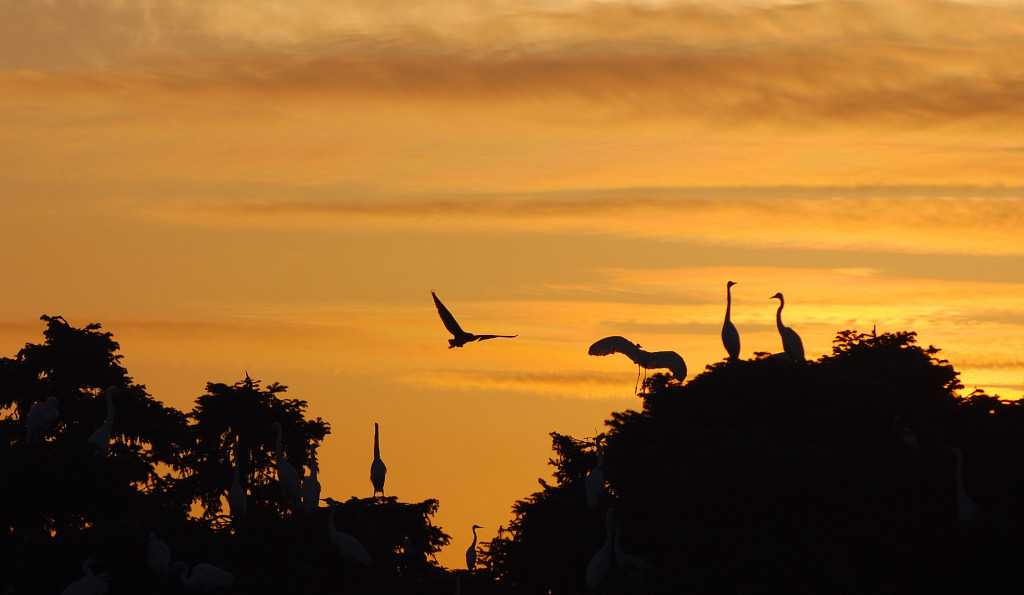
[158, 557]
[40, 416]
[593, 485]
[204, 577]
[348, 546]
[378, 470]
[471, 552]
[600, 565]
[965, 506]
[310, 484]
[644, 359]
[634, 566]
[238, 499]
[100, 437]
[90, 584]
[287, 476]
[730, 336]
[791, 343]
[461, 336]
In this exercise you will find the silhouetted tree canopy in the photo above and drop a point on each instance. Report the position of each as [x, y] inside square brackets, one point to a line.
[766, 475]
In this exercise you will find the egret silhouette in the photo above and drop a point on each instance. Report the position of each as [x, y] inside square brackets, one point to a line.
[904, 434]
[791, 343]
[348, 546]
[730, 336]
[644, 359]
[965, 506]
[40, 416]
[471, 551]
[158, 557]
[238, 500]
[602, 562]
[90, 584]
[378, 470]
[204, 577]
[634, 566]
[593, 485]
[310, 484]
[461, 336]
[100, 437]
[287, 476]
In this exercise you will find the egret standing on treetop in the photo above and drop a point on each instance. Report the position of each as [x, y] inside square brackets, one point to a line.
[644, 359]
[461, 336]
[100, 437]
[40, 416]
[310, 484]
[593, 485]
[471, 552]
[287, 476]
[791, 342]
[730, 336]
[378, 470]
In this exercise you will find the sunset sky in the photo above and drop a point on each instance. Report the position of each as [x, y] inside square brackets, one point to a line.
[275, 188]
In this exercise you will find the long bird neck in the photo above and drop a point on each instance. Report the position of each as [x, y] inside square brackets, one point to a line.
[728, 301]
[110, 409]
[778, 314]
[277, 446]
[376, 441]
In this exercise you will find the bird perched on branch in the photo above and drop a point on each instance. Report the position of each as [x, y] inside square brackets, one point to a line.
[461, 336]
[730, 336]
[791, 343]
[648, 360]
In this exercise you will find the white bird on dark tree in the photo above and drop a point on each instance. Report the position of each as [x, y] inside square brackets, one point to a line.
[791, 343]
[39, 417]
[647, 360]
[310, 484]
[158, 557]
[348, 546]
[100, 437]
[461, 336]
[471, 552]
[90, 584]
[601, 563]
[593, 485]
[965, 506]
[287, 476]
[204, 577]
[238, 500]
[378, 470]
[730, 336]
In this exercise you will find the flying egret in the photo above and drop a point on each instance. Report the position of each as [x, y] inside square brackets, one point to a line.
[204, 577]
[40, 416]
[238, 499]
[90, 584]
[471, 551]
[158, 557]
[348, 546]
[965, 506]
[310, 484]
[100, 437]
[378, 470]
[600, 565]
[461, 336]
[730, 336]
[287, 476]
[791, 343]
[593, 485]
[644, 359]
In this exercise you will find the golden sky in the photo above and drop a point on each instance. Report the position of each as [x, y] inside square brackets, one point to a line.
[276, 187]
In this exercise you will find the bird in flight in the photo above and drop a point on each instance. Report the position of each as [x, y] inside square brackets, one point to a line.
[461, 336]
[647, 360]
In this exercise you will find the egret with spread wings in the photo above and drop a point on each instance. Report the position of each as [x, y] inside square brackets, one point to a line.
[461, 336]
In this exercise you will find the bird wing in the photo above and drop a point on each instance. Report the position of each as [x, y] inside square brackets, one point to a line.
[447, 318]
[668, 359]
[615, 344]
[484, 337]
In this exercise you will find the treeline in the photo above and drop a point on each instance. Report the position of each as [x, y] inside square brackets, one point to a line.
[863, 471]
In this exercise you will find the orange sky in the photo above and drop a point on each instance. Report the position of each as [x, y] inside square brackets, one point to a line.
[276, 187]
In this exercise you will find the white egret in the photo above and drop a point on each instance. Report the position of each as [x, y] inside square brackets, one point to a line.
[204, 577]
[965, 506]
[471, 551]
[791, 343]
[90, 584]
[904, 434]
[348, 546]
[593, 485]
[378, 470]
[600, 565]
[40, 416]
[644, 359]
[310, 484]
[100, 437]
[287, 476]
[158, 557]
[634, 566]
[730, 336]
[461, 336]
[238, 499]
